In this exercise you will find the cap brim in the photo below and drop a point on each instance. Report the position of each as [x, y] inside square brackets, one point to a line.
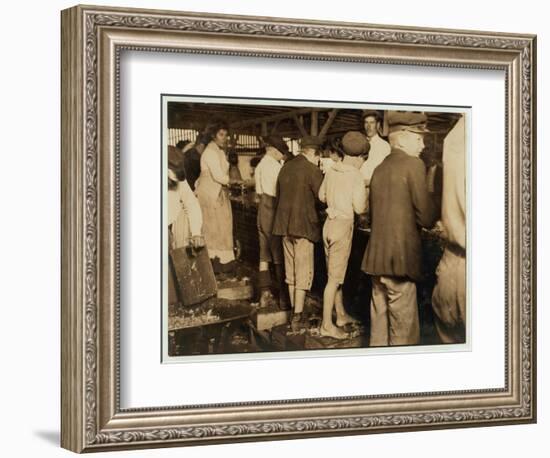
[417, 129]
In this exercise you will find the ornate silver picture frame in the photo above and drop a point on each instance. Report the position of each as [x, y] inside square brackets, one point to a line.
[93, 40]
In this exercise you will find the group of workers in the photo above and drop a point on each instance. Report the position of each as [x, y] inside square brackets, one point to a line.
[368, 175]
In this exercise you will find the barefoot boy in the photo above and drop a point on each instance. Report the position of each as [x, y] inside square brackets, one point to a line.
[344, 192]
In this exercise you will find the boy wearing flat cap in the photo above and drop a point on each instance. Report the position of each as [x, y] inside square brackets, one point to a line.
[271, 250]
[344, 192]
[400, 205]
[297, 221]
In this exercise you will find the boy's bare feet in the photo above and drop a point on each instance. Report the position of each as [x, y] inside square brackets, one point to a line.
[342, 320]
[296, 321]
[334, 332]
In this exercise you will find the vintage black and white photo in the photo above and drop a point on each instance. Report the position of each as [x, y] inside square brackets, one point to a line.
[277, 228]
[302, 225]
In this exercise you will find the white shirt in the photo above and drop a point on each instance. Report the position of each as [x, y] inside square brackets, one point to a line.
[266, 175]
[344, 191]
[379, 149]
[453, 201]
[182, 201]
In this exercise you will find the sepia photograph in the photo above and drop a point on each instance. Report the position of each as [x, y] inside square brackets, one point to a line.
[307, 225]
[295, 228]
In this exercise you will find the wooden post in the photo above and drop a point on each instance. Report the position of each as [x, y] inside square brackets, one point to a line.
[300, 125]
[328, 122]
[314, 123]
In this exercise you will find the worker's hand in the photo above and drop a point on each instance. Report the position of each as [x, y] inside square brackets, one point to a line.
[438, 228]
[197, 241]
[363, 221]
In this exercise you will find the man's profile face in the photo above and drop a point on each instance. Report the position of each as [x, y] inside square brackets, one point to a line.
[371, 126]
[414, 143]
[311, 154]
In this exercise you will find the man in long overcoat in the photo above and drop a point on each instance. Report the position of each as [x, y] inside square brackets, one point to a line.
[297, 221]
[400, 206]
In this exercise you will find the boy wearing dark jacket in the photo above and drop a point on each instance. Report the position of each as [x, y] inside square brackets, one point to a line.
[297, 221]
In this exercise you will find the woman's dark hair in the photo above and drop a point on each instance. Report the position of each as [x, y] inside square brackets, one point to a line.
[215, 126]
[333, 145]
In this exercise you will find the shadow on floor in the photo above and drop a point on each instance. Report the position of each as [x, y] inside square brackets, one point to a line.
[51, 437]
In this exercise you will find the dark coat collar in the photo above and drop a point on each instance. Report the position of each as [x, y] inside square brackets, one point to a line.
[397, 151]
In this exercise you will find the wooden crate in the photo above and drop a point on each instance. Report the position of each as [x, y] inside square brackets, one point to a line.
[195, 280]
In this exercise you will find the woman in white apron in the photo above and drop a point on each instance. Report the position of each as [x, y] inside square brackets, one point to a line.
[214, 200]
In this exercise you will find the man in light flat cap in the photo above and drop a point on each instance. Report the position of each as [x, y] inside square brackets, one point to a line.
[344, 192]
[297, 221]
[271, 250]
[400, 205]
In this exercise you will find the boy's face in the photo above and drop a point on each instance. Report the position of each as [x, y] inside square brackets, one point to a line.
[371, 125]
[335, 156]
